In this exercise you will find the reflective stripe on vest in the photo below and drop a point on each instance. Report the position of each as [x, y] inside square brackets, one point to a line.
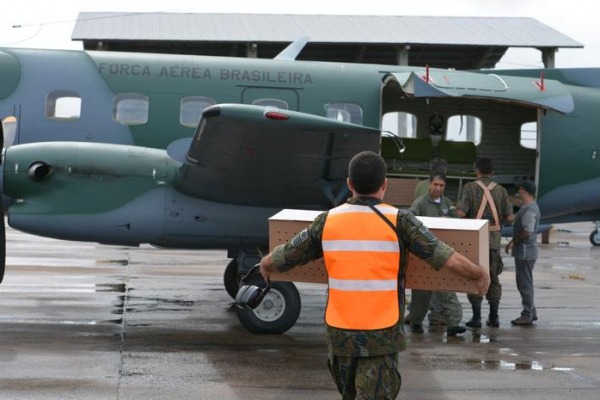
[362, 257]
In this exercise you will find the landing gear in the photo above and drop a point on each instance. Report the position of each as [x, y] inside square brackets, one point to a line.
[277, 313]
[280, 308]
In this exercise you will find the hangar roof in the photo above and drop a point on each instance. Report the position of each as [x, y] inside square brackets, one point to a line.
[445, 42]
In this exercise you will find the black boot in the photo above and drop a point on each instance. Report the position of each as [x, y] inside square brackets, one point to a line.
[493, 320]
[475, 321]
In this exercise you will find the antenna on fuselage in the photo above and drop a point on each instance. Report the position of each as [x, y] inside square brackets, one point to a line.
[293, 49]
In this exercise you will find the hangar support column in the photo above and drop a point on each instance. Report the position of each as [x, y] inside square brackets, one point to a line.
[548, 56]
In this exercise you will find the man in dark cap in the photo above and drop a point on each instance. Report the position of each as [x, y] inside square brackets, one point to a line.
[525, 250]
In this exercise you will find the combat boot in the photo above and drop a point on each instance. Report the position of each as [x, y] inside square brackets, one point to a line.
[475, 321]
[493, 320]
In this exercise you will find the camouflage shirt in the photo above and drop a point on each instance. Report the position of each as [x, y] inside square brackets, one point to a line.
[306, 246]
[470, 200]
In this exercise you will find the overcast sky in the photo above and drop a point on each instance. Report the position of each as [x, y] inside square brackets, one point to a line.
[49, 24]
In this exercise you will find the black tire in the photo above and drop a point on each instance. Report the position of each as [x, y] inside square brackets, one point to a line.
[231, 278]
[277, 313]
[595, 237]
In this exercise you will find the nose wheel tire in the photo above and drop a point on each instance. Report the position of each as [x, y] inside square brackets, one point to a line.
[277, 313]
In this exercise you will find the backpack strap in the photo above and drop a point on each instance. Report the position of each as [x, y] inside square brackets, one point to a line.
[485, 200]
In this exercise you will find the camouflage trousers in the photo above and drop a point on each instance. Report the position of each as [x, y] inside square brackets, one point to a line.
[494, 292]
[366, 378]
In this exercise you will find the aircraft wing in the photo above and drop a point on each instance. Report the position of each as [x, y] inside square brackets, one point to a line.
[544, 93]
[262, 156]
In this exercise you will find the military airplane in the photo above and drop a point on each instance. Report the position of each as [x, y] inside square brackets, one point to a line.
[183, 151]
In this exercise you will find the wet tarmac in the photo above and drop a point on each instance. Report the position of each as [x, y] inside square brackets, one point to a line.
[85, 321]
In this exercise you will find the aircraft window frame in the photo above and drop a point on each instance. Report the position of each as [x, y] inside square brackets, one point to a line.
[391, 122]
[271, 102]
[344, 112]
[462, 135]
[63, 105]
[131, 108]
[528, 135]
[191, 108]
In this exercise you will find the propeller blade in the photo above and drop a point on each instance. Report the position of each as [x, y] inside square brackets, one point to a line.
[9, 131]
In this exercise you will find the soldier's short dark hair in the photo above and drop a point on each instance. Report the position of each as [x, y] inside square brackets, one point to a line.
[484, 165]
[366, 171]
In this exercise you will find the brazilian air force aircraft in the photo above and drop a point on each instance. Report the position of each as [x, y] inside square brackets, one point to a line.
[182, 151]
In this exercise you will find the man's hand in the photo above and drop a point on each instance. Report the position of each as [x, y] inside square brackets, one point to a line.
[509, 247]
[483, 283]
[266, 267]
[462, 266]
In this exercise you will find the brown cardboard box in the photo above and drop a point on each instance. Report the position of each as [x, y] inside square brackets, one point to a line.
[470, 237]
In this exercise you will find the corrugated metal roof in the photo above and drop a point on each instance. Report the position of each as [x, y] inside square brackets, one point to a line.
[476, 31]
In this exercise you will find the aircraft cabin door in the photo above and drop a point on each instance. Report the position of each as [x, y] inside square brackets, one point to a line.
[284, 98]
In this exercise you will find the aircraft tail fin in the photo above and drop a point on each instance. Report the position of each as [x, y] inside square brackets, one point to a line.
[293, 49]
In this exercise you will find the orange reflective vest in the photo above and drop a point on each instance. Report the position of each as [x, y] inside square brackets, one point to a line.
[362, 258]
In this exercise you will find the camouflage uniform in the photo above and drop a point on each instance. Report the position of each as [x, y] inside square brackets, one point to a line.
[364, 363]
[451, 309]
[469, 202]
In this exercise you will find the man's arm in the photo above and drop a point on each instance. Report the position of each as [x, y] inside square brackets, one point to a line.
[528, 227]
[462, 266]
[302, 248]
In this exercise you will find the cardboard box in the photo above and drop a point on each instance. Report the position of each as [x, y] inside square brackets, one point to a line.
[469, 237]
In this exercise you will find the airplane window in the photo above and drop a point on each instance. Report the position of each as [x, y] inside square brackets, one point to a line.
[130, 109]
[464, 128]
[344, 112]
[400, 124]
[191, 109]
[529, 135]
[271, 102]
[63, 104]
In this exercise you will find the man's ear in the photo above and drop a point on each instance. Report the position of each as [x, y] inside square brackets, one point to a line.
[349, 184]
[384, 186]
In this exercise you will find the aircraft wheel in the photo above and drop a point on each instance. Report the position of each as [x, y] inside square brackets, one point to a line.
[231, 278]
[277, 313]
[595, 237]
